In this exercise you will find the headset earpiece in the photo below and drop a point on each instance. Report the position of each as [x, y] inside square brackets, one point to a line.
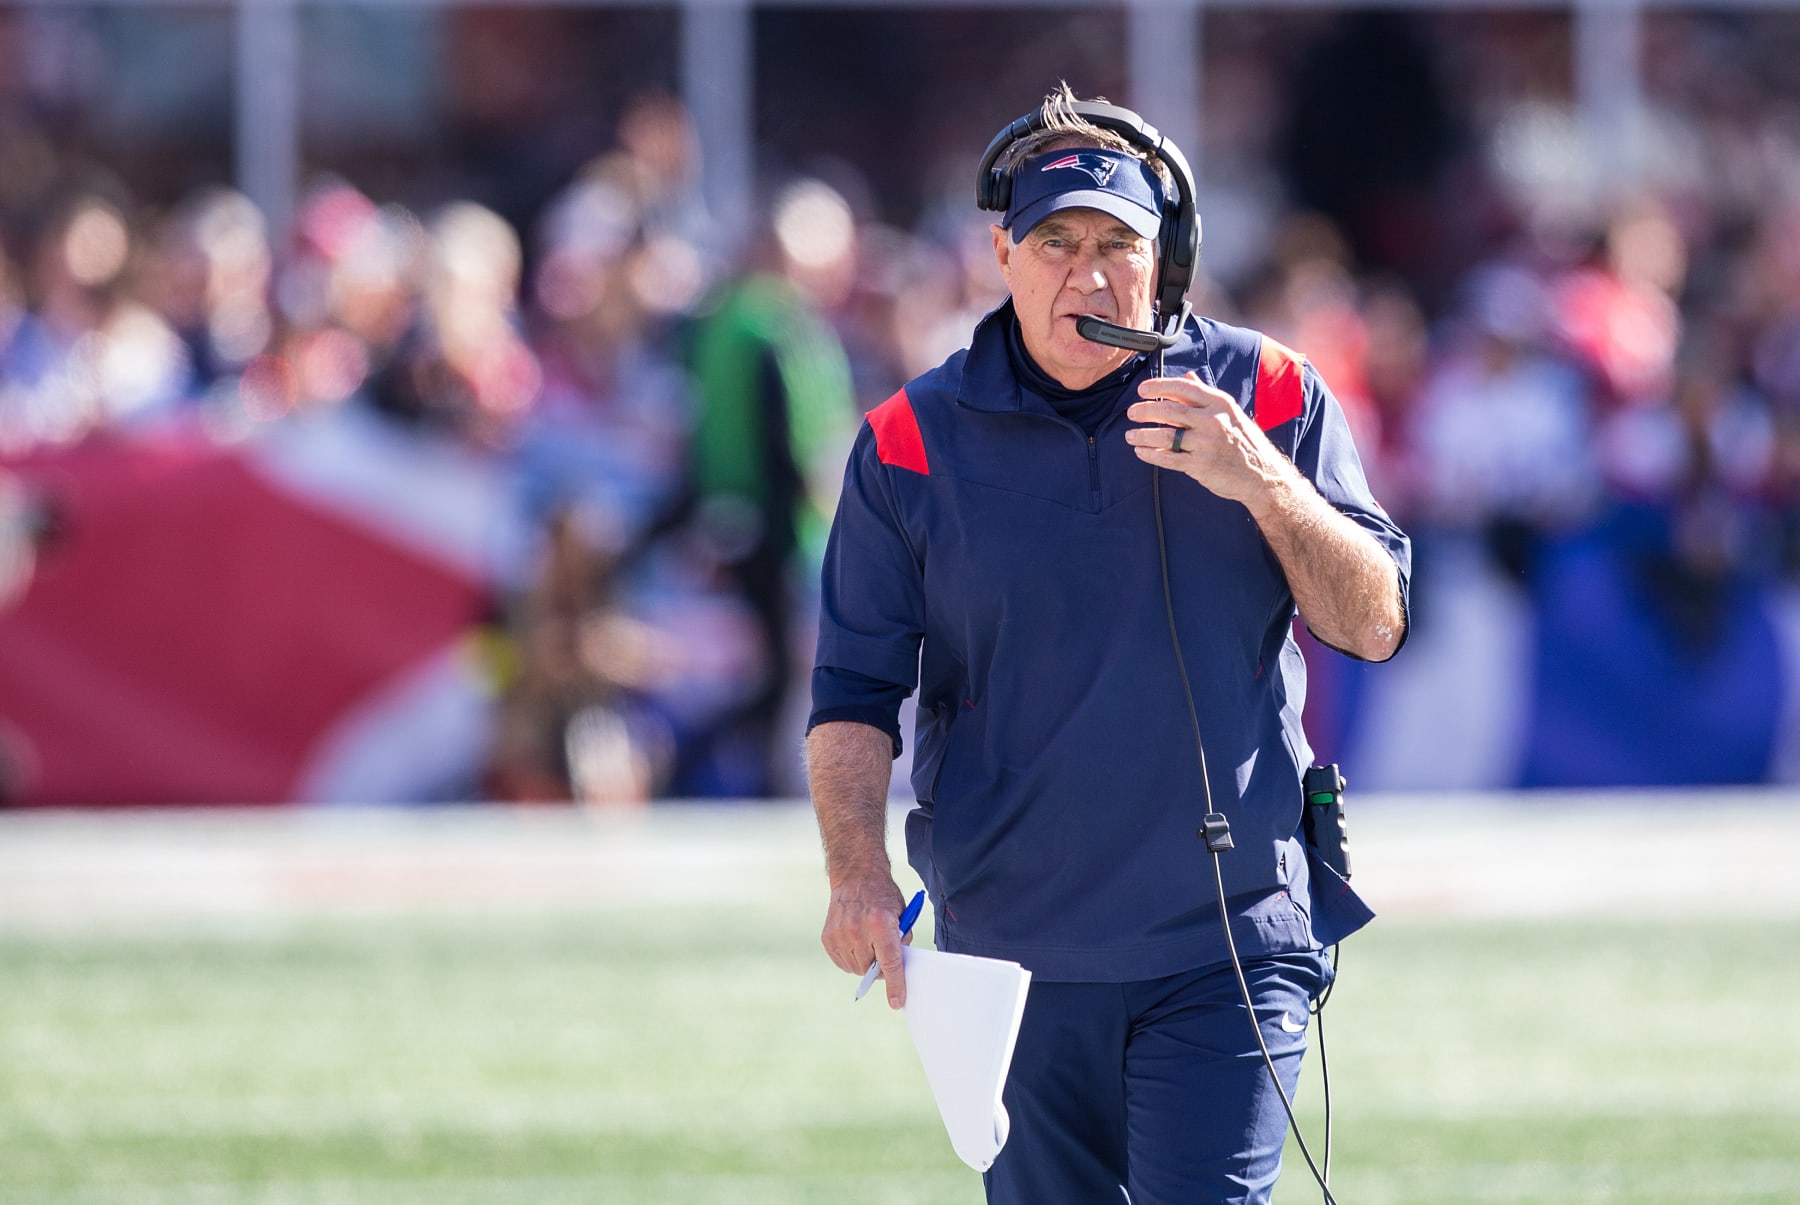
[993, 187]
[1000, 184]
[1179, 260]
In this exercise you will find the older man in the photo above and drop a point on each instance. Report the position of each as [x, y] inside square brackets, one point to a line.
[1105, 665]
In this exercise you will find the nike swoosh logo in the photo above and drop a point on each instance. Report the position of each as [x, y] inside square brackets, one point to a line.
[1288, 1026]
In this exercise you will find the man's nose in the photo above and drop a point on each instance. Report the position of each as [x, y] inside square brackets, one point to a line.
[1086, 275]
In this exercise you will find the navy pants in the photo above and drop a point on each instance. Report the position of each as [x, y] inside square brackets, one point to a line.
[1154, 1089]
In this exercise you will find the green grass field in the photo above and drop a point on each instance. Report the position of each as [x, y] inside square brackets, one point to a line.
[709, 1054]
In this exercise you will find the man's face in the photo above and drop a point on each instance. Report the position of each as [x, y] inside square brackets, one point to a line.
[1075, 262]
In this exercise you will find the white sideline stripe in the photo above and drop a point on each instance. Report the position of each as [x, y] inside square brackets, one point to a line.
[1551, 856]
[73, 871]
[768, 1186]
[1603, 854]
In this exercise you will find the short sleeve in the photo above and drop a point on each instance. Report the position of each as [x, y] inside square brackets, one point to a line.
[1326, 454]
[872, 597]
[842, 694]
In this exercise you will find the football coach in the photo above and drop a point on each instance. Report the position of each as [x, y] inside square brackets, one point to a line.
[1083, 541]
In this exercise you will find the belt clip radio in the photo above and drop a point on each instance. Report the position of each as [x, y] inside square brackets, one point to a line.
[1324, 817]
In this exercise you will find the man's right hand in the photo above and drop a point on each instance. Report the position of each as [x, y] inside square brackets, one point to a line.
[847, 767]
[862, 925]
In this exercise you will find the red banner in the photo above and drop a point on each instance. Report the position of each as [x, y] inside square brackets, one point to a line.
[196, 629]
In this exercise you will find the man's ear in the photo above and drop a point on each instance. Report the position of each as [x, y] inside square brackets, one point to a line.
[1003, 249]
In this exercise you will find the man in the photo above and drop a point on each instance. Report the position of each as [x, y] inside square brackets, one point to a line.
[773, 392]
[999, 545]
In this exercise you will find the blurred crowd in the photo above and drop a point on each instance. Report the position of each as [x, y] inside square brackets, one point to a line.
[1650, 368]
[669, 420]
[671, 413]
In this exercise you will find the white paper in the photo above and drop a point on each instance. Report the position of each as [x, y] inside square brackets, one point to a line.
[964, 1015]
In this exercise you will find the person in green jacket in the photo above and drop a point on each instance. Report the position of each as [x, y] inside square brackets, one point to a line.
[774, 407]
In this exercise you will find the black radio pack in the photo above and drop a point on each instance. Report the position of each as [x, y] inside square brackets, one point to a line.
[1323, 816]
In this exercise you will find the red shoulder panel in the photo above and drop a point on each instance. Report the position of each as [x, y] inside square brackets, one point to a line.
[1280, 385]
[897, 438]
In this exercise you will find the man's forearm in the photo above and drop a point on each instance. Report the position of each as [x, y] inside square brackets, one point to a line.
[848, 766]
[1346, 585]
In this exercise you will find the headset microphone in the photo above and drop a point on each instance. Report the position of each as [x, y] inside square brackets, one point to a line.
[1098, 330]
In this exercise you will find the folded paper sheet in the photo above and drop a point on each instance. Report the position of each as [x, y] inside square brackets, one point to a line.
[964, 1015]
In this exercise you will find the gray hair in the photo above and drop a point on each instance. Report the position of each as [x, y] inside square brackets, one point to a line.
[1064, 127]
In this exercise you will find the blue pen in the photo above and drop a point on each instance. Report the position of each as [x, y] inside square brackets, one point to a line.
[907, 919]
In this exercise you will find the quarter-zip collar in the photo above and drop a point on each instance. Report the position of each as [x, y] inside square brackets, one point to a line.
[1086, 408]
[996, 379]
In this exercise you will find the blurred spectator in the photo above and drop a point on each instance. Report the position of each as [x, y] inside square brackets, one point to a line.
[1768, 292]
[571, 722]
[1618, 313]
[1309, 299]
[944, 282]
[210, 282]
[599, 459]
[1694, 469]
[422, 325]
[87, 353]
[1396, 361]
[656, 167]
[486, 378]
[610, 429]
[1656, 633]
[1501, 431]
[775, 409]
[347, 294]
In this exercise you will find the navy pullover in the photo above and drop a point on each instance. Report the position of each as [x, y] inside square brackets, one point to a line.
[1003, 561]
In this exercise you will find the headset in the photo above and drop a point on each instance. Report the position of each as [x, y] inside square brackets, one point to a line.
[1178, 242]
[1178, 255]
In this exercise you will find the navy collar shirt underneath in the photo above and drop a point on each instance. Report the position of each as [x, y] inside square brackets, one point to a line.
[1086, 408]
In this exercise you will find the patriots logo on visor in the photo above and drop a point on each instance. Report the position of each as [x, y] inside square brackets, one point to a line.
[1097, 166]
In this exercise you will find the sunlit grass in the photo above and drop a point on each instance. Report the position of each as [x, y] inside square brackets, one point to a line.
[712, 1055]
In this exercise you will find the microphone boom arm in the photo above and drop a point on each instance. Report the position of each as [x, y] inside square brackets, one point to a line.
[1098, 330]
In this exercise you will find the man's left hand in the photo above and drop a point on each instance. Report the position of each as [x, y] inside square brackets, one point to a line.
[1203, 434]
